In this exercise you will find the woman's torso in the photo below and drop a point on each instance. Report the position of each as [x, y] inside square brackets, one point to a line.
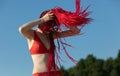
[40, 63]
[41, 50]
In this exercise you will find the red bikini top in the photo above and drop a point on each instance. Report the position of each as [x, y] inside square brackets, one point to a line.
[39, 48]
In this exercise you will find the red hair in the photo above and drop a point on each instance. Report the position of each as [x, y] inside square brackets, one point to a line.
[47, 25]
[68, 19]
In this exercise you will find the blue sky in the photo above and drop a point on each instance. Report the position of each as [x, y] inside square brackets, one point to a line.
[100, 38]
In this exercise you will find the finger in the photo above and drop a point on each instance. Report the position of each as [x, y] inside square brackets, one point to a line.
[50, 12]
[52, 17]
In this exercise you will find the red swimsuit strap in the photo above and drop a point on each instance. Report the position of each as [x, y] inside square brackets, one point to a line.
[38, 47]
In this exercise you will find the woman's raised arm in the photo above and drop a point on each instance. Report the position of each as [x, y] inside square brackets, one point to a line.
[26, 29]
[73, 31]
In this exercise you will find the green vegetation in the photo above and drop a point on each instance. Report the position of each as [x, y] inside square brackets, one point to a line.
[95, 67]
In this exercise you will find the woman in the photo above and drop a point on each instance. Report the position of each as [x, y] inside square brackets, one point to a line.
[41, 40]
[41, 59]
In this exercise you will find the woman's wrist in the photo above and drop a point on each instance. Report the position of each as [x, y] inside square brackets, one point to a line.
[38, 21]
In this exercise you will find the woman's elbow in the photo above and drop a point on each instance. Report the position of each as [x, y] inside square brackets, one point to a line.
[77, 31]
[21, 29]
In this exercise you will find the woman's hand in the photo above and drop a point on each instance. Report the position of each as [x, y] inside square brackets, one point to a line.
[48, 16]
